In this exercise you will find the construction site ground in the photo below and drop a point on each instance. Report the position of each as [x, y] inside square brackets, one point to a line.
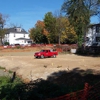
[29, 68]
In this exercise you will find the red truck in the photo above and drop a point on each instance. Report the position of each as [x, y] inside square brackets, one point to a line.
[46, 53]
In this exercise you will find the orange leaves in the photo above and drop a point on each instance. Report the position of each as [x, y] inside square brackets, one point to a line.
[40, 24]
[68, 33]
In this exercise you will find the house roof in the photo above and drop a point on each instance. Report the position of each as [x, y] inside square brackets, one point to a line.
[91, 25]
[16, 30]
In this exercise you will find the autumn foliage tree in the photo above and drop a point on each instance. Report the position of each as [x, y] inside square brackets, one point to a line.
[50, 23]
[64, 31]
[31, 35]
[39, 34]
[68, 34]
[40, 24]
[59, 29]
[54, 29]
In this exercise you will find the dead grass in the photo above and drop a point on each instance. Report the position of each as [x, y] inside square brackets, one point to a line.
[23, 49]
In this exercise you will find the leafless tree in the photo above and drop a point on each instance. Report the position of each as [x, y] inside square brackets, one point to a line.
[3, 19]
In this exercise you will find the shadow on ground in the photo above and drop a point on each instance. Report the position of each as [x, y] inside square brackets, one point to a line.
[57, 84]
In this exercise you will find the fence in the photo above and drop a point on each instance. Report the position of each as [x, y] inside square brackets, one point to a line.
[88, 93]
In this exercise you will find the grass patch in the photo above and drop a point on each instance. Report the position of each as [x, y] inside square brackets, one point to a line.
[57, 84]
[2, 68]
[10, 71]
[8, 89]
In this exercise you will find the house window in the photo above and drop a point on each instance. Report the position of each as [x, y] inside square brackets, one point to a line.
[87, 39]
[18, 29]
[14, 34]
[7, 41]
[98, 29]
[97, 39]
[7, 35]
[29, 41]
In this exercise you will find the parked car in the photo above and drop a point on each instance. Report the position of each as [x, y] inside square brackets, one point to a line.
[46, 53]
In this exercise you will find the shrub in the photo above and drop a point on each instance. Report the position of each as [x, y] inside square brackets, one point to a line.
[8, 89]
[6, 43]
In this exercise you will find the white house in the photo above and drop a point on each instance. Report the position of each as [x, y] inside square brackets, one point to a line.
[17, 35]
[93, 35]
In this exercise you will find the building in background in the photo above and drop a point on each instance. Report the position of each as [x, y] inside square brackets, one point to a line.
[93, 35]
[17, 35]
[92, 38]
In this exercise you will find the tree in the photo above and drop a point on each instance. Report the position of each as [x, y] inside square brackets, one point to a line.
[3, 19]
[65, 32]
[31, 35]
[93, 6]
[41, 25]
[56, 24]
[78, 15]
[50, 22]
[99, 17]
[59, 25]
[39, 34]
[68, 34]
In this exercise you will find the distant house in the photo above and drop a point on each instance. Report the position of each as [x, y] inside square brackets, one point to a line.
[92, 37]
[17, 35]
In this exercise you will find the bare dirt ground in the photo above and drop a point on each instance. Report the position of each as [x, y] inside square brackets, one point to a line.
[30, 68]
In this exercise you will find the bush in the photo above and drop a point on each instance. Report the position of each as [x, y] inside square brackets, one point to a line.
[8, 89]
[6, 43]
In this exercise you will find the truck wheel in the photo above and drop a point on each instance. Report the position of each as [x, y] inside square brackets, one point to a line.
[54, 56]
[36, 57]
[42, 56]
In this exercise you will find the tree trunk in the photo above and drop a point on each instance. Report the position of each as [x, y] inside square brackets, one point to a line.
[59, 39]
[0, 41]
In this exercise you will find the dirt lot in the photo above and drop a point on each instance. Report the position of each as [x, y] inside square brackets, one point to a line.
[30, 68]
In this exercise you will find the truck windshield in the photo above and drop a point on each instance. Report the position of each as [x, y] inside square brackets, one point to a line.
[42, 50]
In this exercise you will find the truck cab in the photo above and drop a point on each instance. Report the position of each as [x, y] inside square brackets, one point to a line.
[46, 53]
